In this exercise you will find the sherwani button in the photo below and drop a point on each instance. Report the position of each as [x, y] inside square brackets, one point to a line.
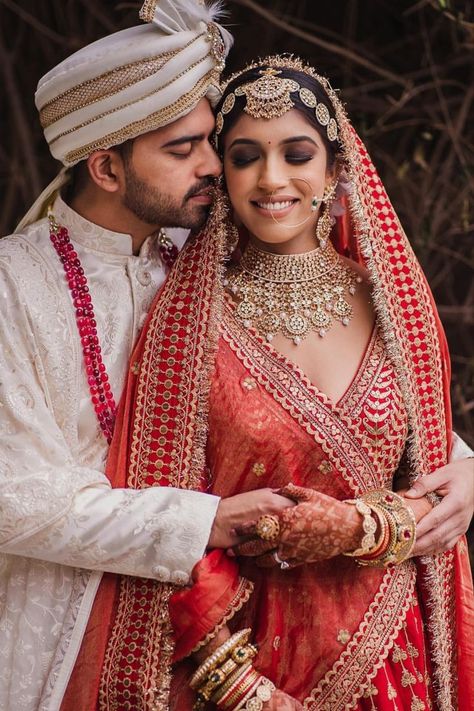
[161, 573]
[144, 277]
[179, 577]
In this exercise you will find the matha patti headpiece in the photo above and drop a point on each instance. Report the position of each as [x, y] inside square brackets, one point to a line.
[269, 96]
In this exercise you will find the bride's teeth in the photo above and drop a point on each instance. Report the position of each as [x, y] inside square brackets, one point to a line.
[275, 205]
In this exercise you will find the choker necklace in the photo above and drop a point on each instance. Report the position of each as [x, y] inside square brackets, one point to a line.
[291, 294]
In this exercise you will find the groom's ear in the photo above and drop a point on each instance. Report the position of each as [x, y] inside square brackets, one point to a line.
[106, 170]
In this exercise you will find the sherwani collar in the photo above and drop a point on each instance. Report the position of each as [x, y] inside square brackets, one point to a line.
[97, 238]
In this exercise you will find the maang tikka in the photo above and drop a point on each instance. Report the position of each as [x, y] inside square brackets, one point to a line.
[269, 97]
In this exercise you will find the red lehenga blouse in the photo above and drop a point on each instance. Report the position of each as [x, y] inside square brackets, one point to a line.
[332, 634]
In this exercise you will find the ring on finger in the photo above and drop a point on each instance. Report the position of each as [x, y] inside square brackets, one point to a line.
[268, 528]
[284, 565]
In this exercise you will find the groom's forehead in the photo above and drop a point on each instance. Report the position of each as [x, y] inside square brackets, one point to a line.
[196, 125]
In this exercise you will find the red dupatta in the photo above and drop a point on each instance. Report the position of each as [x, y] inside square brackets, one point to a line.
[161, 434]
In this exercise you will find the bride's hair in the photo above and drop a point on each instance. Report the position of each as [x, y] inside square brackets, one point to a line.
[304, 80]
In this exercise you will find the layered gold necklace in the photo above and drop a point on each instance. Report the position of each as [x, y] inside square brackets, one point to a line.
[292, 294]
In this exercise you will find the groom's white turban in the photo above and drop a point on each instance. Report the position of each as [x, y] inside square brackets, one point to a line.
[133, 81]
[129, 83]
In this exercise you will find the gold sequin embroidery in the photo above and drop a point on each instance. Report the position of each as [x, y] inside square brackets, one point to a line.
[155, 120]
[93, 90]
[259, 469]
[249, 384]
[343, 637]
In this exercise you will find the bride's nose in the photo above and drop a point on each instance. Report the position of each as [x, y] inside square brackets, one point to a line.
[272, 177]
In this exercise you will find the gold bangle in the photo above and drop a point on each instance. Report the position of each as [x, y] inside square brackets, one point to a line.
[369, 526]
[217, 676]
[383, 541]
[221, 693]
[377, 561]
[243, 654]
[402, 523]
[219, 656]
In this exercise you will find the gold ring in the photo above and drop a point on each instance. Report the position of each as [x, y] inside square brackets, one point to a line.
[268, 528]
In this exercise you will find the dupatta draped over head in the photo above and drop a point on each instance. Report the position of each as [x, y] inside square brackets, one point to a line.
[162, 430]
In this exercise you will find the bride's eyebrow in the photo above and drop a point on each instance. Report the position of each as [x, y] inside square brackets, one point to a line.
[298, 139]
[244, 142]
[293, 139]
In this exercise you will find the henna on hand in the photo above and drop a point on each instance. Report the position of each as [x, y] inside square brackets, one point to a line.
[320, 528]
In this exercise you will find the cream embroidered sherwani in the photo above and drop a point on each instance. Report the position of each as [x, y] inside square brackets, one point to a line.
[60, 522]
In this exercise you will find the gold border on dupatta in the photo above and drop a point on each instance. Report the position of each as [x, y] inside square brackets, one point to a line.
[405, 320]
[351, 674]
[189, 386]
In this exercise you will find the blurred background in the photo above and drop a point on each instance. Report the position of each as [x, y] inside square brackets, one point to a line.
[405, 71]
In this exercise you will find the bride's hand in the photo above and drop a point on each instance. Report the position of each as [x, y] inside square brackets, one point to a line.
[319, 527]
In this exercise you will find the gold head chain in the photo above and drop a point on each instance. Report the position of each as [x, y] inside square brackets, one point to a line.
[269, 96]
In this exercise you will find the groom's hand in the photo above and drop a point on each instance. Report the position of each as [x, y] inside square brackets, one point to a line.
[241, 508]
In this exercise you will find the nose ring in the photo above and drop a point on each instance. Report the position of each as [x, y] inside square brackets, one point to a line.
[315, 202]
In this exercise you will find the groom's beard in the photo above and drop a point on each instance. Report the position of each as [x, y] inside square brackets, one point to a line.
[156, 207]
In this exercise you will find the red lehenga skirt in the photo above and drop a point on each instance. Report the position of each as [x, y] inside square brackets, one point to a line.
[333, 635]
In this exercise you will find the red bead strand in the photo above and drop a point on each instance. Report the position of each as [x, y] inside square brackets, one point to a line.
[168, 250]
[97, 378]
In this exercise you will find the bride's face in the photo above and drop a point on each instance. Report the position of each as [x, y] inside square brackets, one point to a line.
[273, 169]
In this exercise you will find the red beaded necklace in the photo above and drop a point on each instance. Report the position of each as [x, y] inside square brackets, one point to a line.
[101, 394]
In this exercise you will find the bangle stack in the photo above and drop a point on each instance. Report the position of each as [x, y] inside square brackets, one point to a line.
[228, 679]
[396, 524]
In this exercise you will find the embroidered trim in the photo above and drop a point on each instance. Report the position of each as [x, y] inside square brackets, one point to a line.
[168, 441]
[309, 407]
[154, 120]
[408, 325]
[351, 675]
[368, 371]
[92, 90]
[147, 11]
[242, 596]
[124, 672]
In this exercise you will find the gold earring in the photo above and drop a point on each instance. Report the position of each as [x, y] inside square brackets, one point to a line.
[323, 228]
[329, 192]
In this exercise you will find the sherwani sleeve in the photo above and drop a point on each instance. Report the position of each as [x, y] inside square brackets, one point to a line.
[53, 509]
[460, 449]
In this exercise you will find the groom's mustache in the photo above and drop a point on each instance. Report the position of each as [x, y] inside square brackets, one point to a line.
[202, 187]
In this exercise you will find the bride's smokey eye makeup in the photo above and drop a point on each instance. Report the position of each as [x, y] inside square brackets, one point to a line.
[241, 157]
